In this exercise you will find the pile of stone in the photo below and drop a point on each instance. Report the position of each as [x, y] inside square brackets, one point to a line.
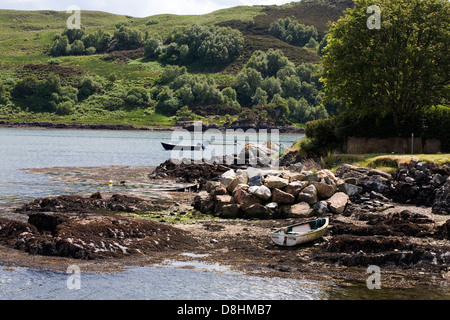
[264, 194]
[423, 183]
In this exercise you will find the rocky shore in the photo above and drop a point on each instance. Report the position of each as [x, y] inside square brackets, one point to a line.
[372, 222]
[101, 126]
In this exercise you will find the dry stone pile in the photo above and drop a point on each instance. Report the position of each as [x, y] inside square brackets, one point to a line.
[265, 194]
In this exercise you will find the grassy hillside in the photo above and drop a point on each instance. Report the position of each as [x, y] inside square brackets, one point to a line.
[27, 36]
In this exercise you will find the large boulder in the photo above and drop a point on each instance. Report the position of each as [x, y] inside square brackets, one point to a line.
[241, 186]
[227, 177]
[301, 209]
[282, 197]
[258, 211]
[349, 189]
[210, 185]
[324, 190]
[375, 183]
[245, 199]
[262, 192]
[338, 202]
[308, 195]
[296, 187]
[231, 211]
[320, 208]
[221, 201]
[273, 182]
[203, 202]
[238, 179]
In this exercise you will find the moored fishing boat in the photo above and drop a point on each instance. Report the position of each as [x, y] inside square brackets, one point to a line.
[300, 233]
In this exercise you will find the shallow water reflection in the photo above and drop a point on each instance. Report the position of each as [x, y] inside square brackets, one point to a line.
[168, 282]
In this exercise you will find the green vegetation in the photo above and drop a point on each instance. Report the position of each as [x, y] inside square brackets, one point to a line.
[255, 65]
[294, 33]
[159, 70]
[398, 71]
[388, 82]
[210, 45]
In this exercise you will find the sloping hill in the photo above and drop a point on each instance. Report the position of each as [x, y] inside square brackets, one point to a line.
[27, 36]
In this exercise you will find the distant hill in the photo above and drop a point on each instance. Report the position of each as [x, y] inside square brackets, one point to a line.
[27, 36]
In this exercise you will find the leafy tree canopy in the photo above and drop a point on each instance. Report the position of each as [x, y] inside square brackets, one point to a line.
[401, 68]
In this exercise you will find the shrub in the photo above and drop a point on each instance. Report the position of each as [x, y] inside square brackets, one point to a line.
[65, 108]
[54, 61]
[136, 96]
[91, 50]
[152, 22]
[128, 38]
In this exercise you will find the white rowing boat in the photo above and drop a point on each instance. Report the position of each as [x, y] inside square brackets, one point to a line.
[300, 233]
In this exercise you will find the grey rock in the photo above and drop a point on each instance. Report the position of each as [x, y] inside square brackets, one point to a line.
[262, 192]
[308, 195]
[227, 177]
[350, 189]
[259, 211]
[282, 197]
[320, 208]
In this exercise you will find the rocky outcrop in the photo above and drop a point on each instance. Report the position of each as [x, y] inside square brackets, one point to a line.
[417, 183]
[70, 227]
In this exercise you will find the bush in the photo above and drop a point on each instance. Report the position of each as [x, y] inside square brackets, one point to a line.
[136, 96]
[91, 50]
[128, 38]
[152, 22]
[54, 61]
[3, 94]
[88, 87]
[61, 47]
[77, 48]
[65, 108]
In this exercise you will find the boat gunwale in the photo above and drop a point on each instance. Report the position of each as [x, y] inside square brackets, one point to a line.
[307, 237]
[278, 231]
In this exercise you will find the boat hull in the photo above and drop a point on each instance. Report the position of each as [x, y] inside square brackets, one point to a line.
[284, 239]
[169, 146]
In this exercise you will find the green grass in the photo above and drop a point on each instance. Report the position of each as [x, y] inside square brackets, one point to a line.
[137, 117]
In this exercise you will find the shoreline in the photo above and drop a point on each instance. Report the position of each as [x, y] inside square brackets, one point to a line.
[100, 126]
[242, 245]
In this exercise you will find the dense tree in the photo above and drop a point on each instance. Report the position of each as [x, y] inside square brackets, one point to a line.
[88, 86]
[98, 39]
[128, 38]
[44, 95]
[269, 63]
[60, 46]
[73, 34]
[293, 32]
[270, 80]
[211, 45]
[136, 96]
[400, 68]
[77, 48]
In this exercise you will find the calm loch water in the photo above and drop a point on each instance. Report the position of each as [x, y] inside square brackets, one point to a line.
[20, 149]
